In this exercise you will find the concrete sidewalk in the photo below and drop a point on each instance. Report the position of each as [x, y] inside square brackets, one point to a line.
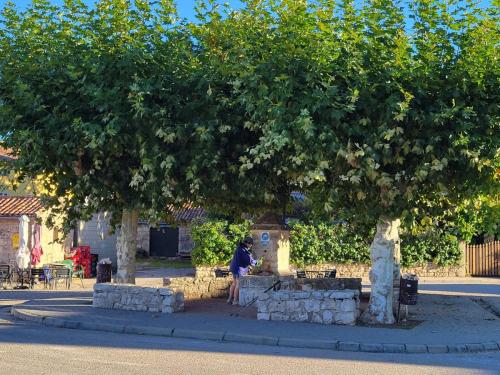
[448, 324]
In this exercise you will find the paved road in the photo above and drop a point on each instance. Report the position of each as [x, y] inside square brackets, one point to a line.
[25, 347]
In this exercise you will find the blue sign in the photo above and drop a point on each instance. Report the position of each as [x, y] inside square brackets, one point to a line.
[265, 238]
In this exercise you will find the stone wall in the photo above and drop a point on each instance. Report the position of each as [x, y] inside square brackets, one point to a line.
[362, 270]
[204, 285]
[324, 307]
[8, 228]
[252, 287]
[137, 298]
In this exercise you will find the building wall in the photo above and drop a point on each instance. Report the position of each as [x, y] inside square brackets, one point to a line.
[185, 240]
[143, 237]
[96, 234]
[52, 251]
[8, 227]
[53, 243]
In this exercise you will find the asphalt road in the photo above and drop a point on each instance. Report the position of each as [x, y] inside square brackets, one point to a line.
[26, 347]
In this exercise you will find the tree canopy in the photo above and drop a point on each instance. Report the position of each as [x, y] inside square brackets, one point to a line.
[361, 106]
[92, 98]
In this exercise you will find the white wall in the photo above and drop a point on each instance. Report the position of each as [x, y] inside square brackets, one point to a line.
[95, 233]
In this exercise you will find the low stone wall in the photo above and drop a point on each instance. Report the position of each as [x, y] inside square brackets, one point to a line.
[322, 306]
[137, 298]
[254, 286]
[362, 270]
[203, 285]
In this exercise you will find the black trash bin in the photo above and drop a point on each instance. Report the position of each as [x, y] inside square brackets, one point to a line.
[103, 273]
[408, 291]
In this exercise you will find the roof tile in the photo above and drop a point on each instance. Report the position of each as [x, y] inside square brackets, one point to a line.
[17, 206]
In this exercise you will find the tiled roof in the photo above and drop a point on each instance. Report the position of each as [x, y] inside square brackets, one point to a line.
[17, 206]
[187, 213]
[5, 154]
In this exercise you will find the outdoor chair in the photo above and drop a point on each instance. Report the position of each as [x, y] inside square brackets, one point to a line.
[331, 274]
[61, 272]
[76, 271]
[79, 272]
[37, 273]
[5, 275]
[301, 275]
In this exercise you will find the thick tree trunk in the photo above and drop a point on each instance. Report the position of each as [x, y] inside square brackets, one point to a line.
[384, 254]
[126, 247]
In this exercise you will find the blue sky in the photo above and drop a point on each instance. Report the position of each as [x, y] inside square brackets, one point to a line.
[185, 7]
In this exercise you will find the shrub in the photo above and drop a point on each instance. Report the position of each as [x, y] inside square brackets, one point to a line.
[325, 243]
[436, 246]
[216, 240]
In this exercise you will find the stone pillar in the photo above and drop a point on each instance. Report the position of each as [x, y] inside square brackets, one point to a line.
[382, 273]
[397, 261]
[272, 242]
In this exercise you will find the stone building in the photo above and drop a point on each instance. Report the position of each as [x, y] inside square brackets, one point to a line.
[11, 209]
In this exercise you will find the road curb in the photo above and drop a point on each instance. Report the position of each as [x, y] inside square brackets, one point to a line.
[221, 336]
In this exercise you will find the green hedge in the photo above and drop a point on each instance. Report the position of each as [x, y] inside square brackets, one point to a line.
[436, 246]
[325, 243]
[215, 241]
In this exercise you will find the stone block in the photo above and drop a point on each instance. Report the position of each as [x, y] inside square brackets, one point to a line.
[328, 304]
[437, 348]
[197, 334]
[348, 305]
[348, 346]
[416, 348]
[327, 317]
[490, 346]
[307, 343]
[299, 317]
[251, 339]
[312, 306]
[457, 348]
[394, 348]
[371, 348]
[315, 318]
[345, 318]
[474, 347]
[292, 305]
[263, 316]
[279, 316]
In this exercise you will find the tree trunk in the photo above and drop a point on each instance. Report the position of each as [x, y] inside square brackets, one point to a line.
[384, 254]
[126, 247]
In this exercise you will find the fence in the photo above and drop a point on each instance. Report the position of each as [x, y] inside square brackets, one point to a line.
[484, 259]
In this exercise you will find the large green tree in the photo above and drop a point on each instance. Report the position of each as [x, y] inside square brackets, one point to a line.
[367, 110]
[92, 98]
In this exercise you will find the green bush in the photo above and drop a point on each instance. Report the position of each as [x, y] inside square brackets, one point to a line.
[341, 243]
[324, 243]
[215, 241]
[436, 246]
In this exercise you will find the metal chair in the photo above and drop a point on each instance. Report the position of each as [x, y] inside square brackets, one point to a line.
[37, 273]
[331, 274]
[301, 275]
[5, 275]
[62, 273]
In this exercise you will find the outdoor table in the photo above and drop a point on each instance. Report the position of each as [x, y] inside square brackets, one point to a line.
[21, 273]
